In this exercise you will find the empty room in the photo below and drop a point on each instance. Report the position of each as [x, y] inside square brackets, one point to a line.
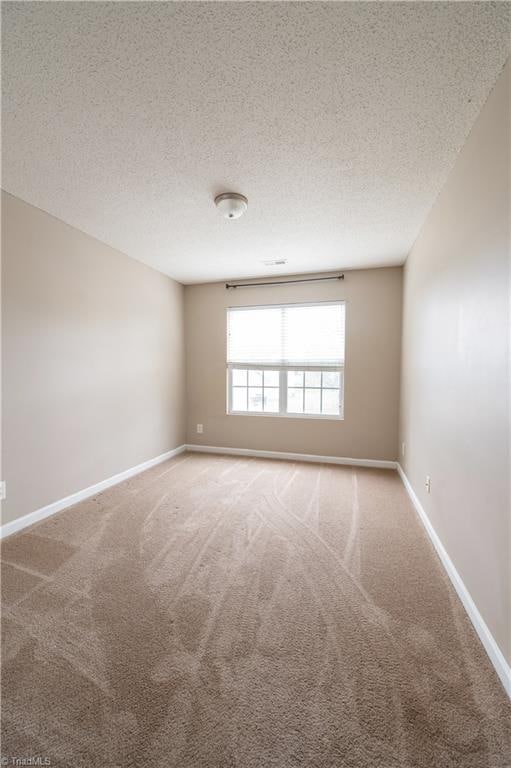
[255, 341]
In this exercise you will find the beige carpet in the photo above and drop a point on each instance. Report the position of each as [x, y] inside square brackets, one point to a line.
[216, 612]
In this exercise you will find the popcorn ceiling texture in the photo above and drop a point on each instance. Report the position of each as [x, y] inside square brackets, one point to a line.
[339, 121]
[216, 612]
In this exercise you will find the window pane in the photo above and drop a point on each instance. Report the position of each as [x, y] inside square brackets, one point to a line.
[271, 379]
[271, 399]
[313, 333]
[255, 378]
[312, 378]
[239, 378]
[331, 401]
[312, 401]
[239, 399]
[254, 335]
[295, 378]
[331, 379]
[255, 399]
[294, 400]
[287, 334]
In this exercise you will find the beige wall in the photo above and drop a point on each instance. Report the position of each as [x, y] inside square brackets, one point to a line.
[373, 331]
[93, 375]
[455, 382]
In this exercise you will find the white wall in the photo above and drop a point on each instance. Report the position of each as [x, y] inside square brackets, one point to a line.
[455, 376]
[92, 359]
[373, 348]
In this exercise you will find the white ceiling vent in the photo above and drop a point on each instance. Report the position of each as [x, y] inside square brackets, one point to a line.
[274, 262]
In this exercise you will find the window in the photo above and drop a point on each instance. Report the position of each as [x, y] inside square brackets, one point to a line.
[286, 360]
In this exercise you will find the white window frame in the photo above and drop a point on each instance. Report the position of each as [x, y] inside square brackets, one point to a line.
[282, 412]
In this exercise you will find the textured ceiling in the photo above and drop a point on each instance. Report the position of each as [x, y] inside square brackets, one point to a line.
[339, 121]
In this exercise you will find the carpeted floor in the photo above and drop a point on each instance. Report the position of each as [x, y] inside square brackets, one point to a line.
[216, 612]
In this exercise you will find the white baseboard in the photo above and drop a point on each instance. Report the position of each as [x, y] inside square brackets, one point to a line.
[39, 514]
[492, 649]
[380, 463]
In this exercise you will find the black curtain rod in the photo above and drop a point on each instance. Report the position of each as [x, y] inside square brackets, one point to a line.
[284, 282]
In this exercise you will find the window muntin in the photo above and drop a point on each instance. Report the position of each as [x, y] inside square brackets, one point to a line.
[255, 390]
[286, 360]
[283, 392]
[314, 392]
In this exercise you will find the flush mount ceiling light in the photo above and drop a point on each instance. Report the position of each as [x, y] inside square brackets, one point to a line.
[231, 205]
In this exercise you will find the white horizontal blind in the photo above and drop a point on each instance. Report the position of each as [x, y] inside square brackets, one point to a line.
[287, 335]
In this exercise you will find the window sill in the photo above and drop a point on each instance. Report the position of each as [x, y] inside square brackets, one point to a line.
[315, 416]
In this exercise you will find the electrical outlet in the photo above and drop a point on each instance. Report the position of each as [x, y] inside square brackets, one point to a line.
[200, 429]
[403, 449]
[3, 490]
[428, 483]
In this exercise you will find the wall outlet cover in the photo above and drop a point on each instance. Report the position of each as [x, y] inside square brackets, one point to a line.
[200, 429]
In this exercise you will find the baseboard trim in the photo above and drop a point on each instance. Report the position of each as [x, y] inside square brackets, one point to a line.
[496, 656]
[50, 509]
[310, 457]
